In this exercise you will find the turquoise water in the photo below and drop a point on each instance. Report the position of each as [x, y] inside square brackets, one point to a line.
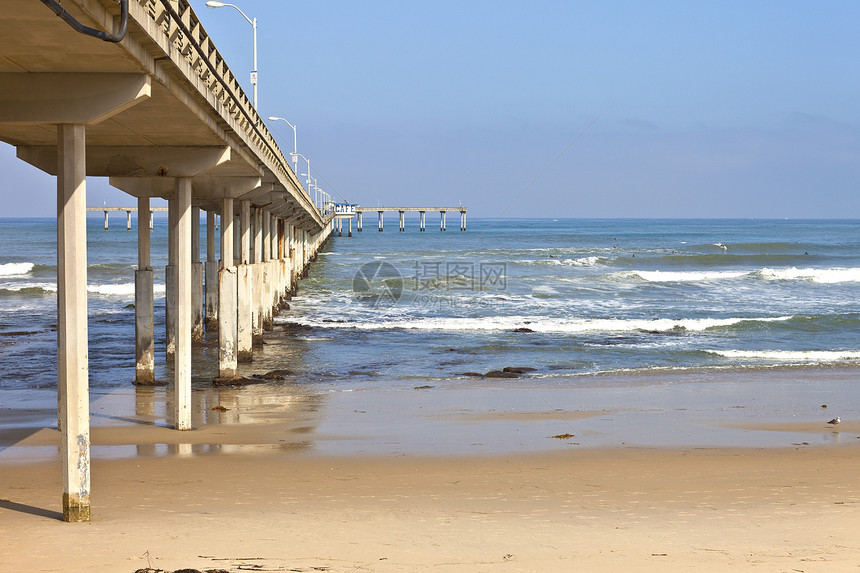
[565, 297]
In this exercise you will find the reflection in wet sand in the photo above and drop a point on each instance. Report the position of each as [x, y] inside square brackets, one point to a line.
[219, 415]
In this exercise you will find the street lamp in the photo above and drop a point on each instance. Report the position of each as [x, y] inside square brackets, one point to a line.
[308, 174]
[253, 23]
[295, 153]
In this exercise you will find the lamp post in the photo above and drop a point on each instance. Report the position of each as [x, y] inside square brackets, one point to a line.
[295, 153]
[308, 174]
[253, 23]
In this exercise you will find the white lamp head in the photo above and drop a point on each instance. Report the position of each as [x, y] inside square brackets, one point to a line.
[214, 4]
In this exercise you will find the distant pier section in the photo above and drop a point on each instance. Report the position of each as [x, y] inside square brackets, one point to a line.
[348, 211]
[128, 211]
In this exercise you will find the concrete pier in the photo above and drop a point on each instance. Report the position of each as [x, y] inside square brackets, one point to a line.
[183, 315]
[244, 289]
[422, 213]
[72, 354]
[144, 307]
[199, 144]
[258, 280]
[197, 306]
[211, 274]
[170, 284]
[128, 211]
[228, 334]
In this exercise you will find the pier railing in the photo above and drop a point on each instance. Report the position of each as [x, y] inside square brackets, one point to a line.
[186, 41]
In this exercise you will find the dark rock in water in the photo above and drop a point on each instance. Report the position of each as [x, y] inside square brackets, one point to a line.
[523, 329]
[500, 374]
[150, 383]
[425, 387]
[276, 374]
[362, 373]
[473, 374]
[129, 305]
[237, 381]
[518, 369]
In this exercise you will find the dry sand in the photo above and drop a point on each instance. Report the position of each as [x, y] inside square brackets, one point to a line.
[447, 481]
[792, 509]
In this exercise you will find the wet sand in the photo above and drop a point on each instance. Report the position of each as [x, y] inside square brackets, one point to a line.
[451, 478]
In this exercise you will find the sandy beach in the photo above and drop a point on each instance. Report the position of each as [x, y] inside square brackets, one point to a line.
[436, 479]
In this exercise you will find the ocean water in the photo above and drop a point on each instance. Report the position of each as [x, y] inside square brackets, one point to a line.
[565, 297]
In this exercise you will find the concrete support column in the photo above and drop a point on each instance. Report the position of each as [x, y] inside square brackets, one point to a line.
[237, 241]
[268, 276]
[183, 315]
[290, 255]
[442, 221]
[72, 349]
[245, 233]
[196, 278]
[462, 220]
[144, 307]
[257, 278]
[170, 283]
[227, 284]
[106, 220]
[128, 220]
[307, 250]
[211, 273]
[244, 290]
[402, 224]
[228, 233]
[350, 228]
[380, 221]
[267, 235]
[421, 220]
[358, 222]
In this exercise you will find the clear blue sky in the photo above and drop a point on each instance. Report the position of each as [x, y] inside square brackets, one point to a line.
[554, 108]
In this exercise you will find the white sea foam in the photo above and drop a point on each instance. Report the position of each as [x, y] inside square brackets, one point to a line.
[18, 286]
[15, 269]
[825, 276]
[791, 355]
[583, 261]
[687, 276]
[539, 324]
[542, 289]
